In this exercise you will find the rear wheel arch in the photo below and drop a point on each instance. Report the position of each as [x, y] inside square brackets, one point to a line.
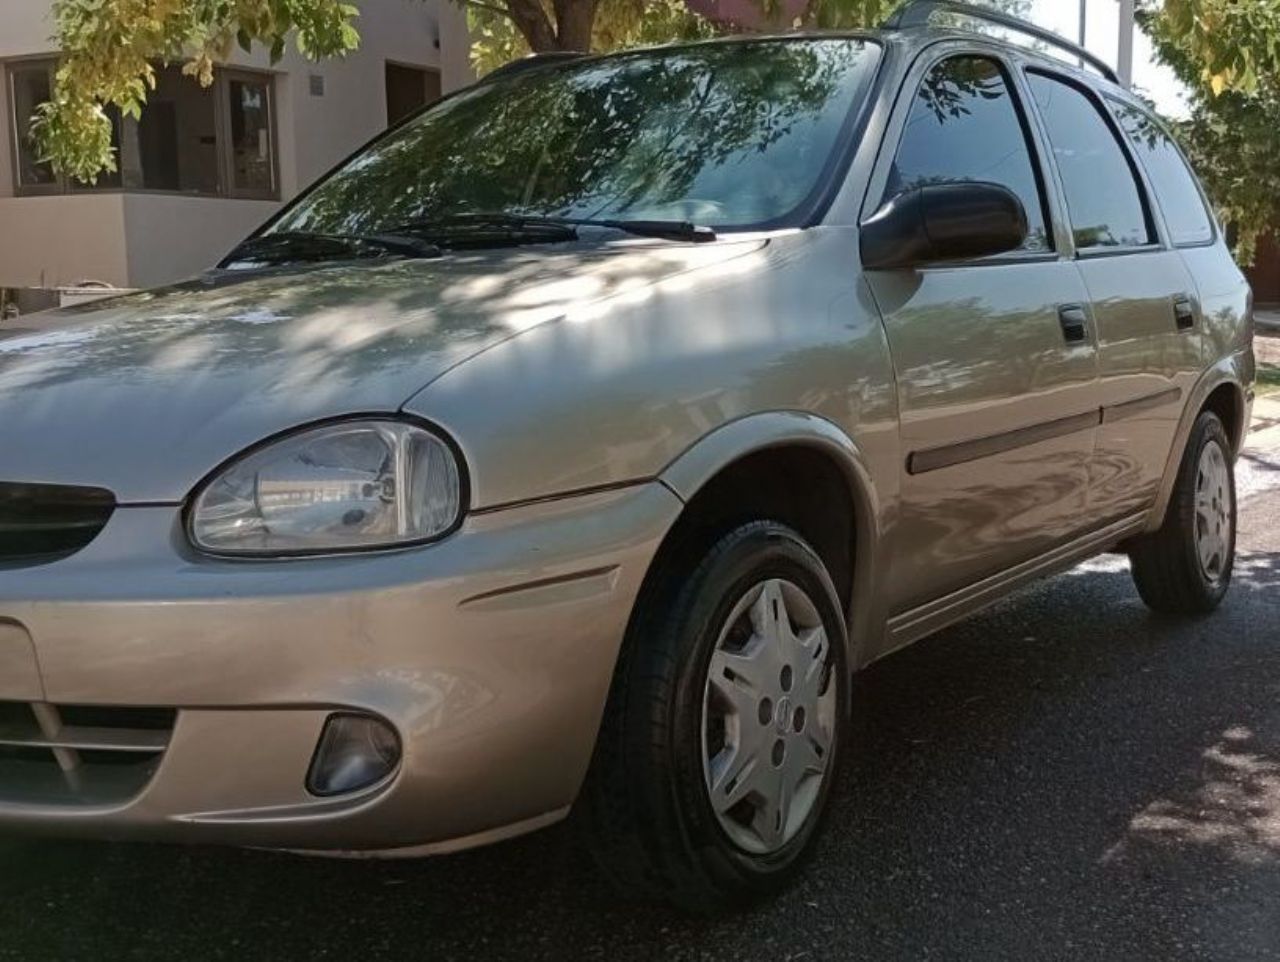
[1219, 391]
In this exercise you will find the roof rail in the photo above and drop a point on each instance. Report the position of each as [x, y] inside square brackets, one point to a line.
[918, 13]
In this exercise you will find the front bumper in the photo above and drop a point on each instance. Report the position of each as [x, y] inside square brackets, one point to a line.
[490, 653]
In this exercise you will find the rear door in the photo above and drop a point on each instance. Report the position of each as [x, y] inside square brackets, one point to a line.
[995, 361]
[1144, 300]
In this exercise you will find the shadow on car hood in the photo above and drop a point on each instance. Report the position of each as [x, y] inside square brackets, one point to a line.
[147, 393]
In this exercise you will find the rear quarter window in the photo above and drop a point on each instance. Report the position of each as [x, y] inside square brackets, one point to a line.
[1176, 190]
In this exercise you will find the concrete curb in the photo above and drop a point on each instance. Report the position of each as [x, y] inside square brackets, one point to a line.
[1266, 317]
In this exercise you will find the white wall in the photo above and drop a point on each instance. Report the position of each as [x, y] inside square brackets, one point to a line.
[324, 130]
[148, 239]
[25, 27]
[168, 237]
[58, 241]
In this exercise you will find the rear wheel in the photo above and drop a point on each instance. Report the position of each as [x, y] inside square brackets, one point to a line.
[1185, 567]
[724, 727]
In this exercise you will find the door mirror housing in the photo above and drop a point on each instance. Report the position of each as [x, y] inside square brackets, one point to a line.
[943, 222]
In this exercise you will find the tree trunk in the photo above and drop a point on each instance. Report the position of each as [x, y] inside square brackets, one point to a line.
[531, 20]
[574, 20]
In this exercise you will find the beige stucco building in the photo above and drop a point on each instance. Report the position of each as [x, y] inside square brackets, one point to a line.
[204, 166]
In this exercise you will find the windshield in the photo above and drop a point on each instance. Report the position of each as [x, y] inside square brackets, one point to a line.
[729, 134]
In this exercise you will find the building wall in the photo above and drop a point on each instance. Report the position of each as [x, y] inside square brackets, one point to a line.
[60, 241]
[167, 237]
[145, 239]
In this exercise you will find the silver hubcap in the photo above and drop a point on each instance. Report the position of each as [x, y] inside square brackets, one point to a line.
[768, 717]
[1213, 511]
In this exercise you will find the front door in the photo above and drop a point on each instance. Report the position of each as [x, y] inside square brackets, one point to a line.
[995, 358]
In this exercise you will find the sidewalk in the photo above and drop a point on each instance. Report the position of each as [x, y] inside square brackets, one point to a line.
[1264, 429]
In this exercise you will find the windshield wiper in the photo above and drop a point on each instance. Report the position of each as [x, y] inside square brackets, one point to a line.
[666, 229]
[286, 247]
[548, 228]
[483, 230]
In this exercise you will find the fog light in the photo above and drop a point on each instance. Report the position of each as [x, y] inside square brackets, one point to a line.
[355, 751]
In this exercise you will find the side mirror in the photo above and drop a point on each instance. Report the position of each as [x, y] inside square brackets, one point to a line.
[943, 222]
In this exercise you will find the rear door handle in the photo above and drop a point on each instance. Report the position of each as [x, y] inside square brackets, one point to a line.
[1075, 323]
[1184, 313]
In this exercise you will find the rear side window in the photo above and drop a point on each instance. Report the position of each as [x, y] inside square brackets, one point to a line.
[1175, 185]
[964, 126]
[1104, 198]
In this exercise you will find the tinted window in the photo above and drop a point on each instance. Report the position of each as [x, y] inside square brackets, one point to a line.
[965, 126]
[1180, 198]
[1103, 196]
[721, 134]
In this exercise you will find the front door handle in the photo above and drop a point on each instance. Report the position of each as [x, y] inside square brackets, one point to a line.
[1075, 323]
[1184, 313]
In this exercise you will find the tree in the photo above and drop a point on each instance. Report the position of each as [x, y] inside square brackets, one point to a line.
[1228, 55]
[505, 29]
[109, 46]
[498, 36]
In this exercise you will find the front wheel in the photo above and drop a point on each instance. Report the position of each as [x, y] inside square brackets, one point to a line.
[725, 724]
[1185, 567]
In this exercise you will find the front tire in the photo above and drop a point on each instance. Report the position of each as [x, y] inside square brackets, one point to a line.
[725, 724]
[1185, 567]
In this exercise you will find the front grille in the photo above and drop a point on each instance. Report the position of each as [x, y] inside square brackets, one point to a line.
[79, 754]
[44, 522]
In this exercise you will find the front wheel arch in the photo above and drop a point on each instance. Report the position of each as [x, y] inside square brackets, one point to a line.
[788, 446]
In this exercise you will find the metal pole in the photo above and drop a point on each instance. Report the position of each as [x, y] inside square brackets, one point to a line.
[1124, 59]
[1084, 21]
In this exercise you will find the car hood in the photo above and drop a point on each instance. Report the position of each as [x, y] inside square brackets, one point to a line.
[147, 393]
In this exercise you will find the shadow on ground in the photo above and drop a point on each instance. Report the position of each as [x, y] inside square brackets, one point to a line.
[1062, 776]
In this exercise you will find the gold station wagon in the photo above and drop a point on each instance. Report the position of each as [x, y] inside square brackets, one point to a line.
[571, 445]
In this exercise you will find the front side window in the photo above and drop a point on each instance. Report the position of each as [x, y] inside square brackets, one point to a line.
[726, 135]
[965, 126]
[1104, 198]
[1174, 184]
[215, 141]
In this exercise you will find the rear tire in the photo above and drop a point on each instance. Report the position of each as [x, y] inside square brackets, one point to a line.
[1185, 567]
[725, 724]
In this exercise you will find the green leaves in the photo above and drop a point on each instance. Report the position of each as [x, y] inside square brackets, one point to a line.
[496, 37]
[1222, 45]
[1227, 52]
[109, 46]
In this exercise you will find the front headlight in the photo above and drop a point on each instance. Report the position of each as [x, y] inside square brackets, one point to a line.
[342, 487]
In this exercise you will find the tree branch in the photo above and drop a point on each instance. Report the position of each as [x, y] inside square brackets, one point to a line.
[490, 7]
[532, 21]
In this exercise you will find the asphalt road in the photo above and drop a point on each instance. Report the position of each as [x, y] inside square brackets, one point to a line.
[1062, 777]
